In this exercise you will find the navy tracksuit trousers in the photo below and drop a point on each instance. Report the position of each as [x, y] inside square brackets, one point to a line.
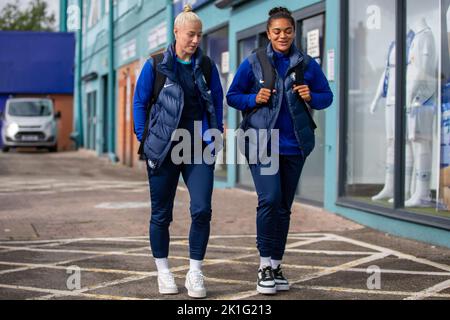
[276, 194]
[199, 179]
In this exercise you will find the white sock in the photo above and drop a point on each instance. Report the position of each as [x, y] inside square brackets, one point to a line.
[162, 265]
[264, 262]
[275, 263]
[195, 265]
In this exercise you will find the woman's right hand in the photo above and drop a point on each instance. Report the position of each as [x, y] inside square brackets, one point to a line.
[264, 95]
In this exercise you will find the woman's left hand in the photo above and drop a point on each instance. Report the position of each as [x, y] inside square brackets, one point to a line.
[304, 92]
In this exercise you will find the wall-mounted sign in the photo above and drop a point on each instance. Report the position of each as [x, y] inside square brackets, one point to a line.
[128, 50]
[331, 65]
[157, 36]
[225, 65]
[313, 43]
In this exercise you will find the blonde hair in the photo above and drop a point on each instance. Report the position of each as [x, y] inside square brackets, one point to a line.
[186, 16]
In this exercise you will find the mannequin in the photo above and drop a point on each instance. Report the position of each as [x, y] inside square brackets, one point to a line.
[386, 90]
[421, 86]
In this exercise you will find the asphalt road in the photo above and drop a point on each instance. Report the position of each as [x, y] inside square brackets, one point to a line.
[74, 226]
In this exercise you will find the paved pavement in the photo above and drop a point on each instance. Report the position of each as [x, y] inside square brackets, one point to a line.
[74, 226]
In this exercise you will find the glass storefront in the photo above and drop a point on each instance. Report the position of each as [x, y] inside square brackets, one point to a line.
[371, 101]
[422, 104]
[309, 27]
[246, 46]
[217, 48]
[370, 114]
[311, 186]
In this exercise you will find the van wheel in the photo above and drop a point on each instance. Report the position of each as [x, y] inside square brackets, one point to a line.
[5, 149]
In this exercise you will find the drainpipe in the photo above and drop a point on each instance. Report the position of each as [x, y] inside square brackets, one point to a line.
[79, 96]
[169, 21]
[445, 5]
[63, 16]
[111, 86]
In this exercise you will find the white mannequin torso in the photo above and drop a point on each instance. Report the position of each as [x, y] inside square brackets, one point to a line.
[421, 73]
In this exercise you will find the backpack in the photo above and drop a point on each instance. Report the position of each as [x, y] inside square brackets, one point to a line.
[269, 77]
[160, 80]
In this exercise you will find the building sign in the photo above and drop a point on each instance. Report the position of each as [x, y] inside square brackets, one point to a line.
[128, 50]
[178, 5]
[225, 64]
[331, 65]
[313, 43]
[157, 36]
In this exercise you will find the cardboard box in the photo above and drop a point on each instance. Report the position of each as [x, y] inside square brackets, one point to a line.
[446, 177]
[447, 197]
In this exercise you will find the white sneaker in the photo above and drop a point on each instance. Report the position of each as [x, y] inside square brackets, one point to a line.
[195, 284]
[166, 283]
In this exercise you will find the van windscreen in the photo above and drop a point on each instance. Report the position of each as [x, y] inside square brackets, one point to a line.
[39, 108]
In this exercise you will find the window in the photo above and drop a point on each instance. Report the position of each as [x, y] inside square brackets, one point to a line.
[371, 101]
[217, 48]
[246, 45]
[310, 40]
[426, 81]
[371, 141]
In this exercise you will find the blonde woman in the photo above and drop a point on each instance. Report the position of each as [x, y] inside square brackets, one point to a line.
[188, 96]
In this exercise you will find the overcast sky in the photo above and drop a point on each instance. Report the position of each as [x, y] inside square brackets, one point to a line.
[52, 4]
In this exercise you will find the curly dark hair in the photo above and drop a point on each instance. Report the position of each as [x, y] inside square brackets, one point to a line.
[280, 13]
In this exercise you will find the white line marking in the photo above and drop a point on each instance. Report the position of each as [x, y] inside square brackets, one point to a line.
[362, 291]
[62, 293]
[396, 253]
[67, 261]
[128, 280]
[430, 291]
[306, 239]
[248, 294]
[342, 267]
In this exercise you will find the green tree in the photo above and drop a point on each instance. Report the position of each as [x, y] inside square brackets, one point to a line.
[33, 18]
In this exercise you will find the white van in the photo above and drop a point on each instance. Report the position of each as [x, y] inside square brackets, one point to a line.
[29, 122]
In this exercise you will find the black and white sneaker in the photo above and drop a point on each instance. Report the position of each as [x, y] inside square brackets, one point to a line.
[266, 282]
[281, 282]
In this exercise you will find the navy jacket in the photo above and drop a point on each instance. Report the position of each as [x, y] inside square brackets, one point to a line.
[247, 83]
[166, 112]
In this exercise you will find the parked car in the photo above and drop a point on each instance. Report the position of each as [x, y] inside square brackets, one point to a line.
[29, 122]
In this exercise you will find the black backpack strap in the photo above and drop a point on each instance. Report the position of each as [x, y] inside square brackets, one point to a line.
[268, 70]
[300, 80]
[206, 66]
[159, 80]
[268, 73]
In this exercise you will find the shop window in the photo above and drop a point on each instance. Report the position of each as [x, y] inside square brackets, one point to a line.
[426, 101]
[371, 141]
[370, 115]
